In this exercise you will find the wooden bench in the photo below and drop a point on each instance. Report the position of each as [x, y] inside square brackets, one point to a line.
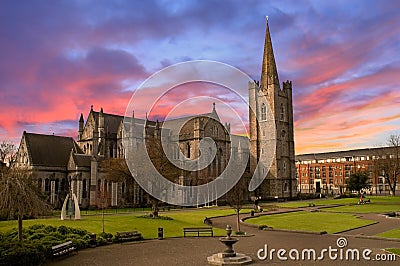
[198, 231]
[129, 236]
[63, 249]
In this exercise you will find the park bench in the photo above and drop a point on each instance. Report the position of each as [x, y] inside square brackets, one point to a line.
[129, 236]
[63, 249]
[198, 231]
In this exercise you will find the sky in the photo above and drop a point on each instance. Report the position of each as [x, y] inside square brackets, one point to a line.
[57, 58]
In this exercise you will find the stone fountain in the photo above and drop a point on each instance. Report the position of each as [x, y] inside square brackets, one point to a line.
[229, 256]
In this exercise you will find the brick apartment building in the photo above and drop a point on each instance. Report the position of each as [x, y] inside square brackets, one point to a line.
[327, 173]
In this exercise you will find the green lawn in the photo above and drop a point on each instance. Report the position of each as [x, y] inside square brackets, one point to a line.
[345, 201]
[366, 208]
[317, 202]
[129, 222]
[394, 250]
[311, 221]
[395, 233]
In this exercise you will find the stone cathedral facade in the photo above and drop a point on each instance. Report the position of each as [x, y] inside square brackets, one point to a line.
[62, 164]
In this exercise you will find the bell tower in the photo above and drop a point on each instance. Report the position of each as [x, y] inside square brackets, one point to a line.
[271, 123]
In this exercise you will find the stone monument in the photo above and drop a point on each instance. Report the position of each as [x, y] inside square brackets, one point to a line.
[71, 205]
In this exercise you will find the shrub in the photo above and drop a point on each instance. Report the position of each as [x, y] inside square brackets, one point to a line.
[107, 236]
[78, 231]
[38, 244]
[63, 230]
[262, 226]
[21, 253]
[100, 241]
[150, 216]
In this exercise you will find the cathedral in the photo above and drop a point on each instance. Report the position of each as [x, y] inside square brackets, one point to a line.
[62, 164]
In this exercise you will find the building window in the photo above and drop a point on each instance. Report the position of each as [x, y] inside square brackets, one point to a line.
[84, 188]
[283, 134]
[188, 150]
[47, 185]
[282, 112]
[263, 112]
[63, 184]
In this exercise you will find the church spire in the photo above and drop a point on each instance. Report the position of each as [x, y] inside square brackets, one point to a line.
[269, 73]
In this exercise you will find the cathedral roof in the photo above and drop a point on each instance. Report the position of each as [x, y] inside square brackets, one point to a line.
[111, 121]
[49, 150]
[174, 123]
[82, 159]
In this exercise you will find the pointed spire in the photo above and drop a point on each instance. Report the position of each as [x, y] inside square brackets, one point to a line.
[269, 73]
[81, 118]
[101, 110]
[214, 108]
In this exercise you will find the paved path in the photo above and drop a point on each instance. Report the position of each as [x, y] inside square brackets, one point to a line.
[194, 251]
[384, 224]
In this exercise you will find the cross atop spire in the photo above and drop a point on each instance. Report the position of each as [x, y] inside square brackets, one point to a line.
[269, 73]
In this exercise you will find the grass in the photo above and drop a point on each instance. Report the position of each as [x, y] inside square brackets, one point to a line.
[394, 250]
[395, 233]
[130, 222]
[57, 213]
[345, 201]
[366, 208]
[311, 221]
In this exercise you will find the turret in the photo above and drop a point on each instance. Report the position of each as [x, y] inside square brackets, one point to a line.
[287, 85]
[101, 119]
[81, 125]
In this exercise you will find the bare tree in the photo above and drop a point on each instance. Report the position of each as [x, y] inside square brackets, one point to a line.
[237, 197]
[387, 162]
[8, 152]
[19, 196]
[162, 164]
[116, 170]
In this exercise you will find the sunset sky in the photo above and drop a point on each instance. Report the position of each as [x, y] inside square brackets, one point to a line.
[57, 58]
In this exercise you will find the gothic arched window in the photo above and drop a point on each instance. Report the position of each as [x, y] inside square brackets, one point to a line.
[188, 150]
[263, 112]
[84, 188]
[47, 185]
[282, 112]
